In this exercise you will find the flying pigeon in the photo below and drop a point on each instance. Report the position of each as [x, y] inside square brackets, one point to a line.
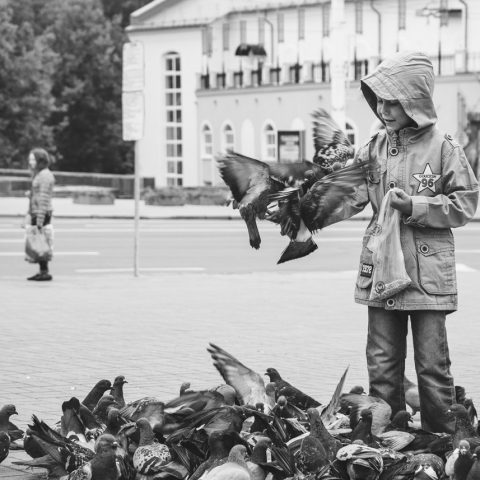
[251, 182]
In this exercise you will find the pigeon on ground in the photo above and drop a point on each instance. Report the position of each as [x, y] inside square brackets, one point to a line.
[106, 463]
[474, 472]
[363, 428]
[59, 453]
[400, 421]
[293, 395]
[353, 404]
[412, 397]
[115, 422]
[150, 455]
[248, 384]
[150, 408]
[101, 410]
[7, 426]
[117, 390]
[312, 456]
[4, 446]
[464, 461]
[185, 388]
[96, 393]
[463, 428]
[234, 469]
[71, 422]
[252, 181]
[317, 428]
[258, 464]
[362, 462]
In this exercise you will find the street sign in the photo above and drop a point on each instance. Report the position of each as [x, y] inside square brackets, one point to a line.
[133, 67]
[132, 115]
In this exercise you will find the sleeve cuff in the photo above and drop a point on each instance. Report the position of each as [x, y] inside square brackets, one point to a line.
[419, 212]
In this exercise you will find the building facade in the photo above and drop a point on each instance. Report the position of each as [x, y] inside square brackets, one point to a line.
[245, 75]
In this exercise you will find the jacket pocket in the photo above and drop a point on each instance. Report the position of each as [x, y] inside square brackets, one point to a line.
[365, 269]
[436, 265]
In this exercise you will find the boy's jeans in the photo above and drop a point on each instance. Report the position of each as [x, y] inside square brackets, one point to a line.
[386, 352]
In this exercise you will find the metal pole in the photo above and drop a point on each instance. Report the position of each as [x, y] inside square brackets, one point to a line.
[136, 195]
[465, 41]
[338, 61]
[379, 15]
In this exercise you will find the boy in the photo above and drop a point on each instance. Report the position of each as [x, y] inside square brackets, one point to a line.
[437, 191]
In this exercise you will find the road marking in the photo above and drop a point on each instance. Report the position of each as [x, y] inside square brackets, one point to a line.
[146, 269]
[55, 254]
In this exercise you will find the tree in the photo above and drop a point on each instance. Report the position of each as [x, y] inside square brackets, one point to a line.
[87, 87]
[26, 67]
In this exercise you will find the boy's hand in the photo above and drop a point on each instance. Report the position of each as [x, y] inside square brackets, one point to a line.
[401, 201]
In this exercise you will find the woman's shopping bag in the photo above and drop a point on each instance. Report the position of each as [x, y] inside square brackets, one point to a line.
[389, 276]
[38, 244]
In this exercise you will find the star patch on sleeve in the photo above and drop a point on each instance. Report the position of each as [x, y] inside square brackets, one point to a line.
[427, 179]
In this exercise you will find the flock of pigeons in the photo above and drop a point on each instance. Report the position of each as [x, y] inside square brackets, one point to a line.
[301, 197]
[244, 430]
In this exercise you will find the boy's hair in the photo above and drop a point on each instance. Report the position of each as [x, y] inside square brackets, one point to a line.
[41, 157]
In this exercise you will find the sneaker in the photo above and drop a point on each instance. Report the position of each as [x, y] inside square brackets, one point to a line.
[34, 277]
[43, 277]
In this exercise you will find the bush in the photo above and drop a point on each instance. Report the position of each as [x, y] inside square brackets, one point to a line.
[186, 195]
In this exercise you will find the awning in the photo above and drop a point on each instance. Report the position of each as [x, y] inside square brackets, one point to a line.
[245, 49]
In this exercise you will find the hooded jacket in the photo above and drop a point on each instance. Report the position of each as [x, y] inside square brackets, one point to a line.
[430, 167]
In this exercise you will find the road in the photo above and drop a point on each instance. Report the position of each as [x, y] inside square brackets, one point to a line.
[210, 246]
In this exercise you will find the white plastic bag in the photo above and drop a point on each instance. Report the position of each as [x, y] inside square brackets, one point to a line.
[38, 244]
[389, 274]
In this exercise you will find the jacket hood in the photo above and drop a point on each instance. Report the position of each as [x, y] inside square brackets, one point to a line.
[407, 77]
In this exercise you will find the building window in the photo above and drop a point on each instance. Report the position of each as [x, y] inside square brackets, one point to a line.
[326, 19]
[174, 127]
[243, 31]
[359, 16]
[270, 143]
[207, 40]
[281, 27]
[261, 31]
[206, 140]
[226, 36]
[301, 23]
[228, 139]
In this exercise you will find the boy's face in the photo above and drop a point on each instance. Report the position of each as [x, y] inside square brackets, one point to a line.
[393, 114]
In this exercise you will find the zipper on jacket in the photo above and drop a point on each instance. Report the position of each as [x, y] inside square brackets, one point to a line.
[393, 149]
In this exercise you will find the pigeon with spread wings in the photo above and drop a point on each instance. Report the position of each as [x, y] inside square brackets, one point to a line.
[300, 213]
[252, 181]
[248, 384]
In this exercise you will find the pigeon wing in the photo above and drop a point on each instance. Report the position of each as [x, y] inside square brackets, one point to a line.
[329, 193]
[242, 174]
[326, 131]
[248, 384]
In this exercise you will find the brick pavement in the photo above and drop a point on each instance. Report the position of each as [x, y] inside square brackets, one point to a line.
[59, 338]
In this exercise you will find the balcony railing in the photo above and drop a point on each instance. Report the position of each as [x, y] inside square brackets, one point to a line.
[311, 72]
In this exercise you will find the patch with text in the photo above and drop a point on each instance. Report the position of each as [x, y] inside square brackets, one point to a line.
[366, 270]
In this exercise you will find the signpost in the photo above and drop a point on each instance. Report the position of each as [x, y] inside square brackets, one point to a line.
[133, 112]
